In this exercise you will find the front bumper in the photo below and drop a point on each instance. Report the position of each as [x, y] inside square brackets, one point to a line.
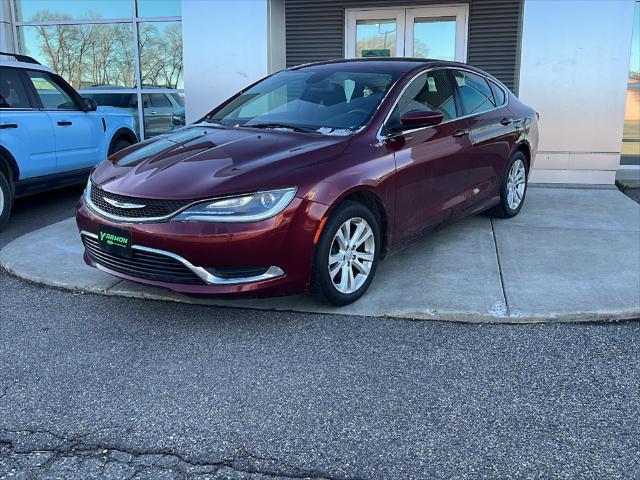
[283, 245]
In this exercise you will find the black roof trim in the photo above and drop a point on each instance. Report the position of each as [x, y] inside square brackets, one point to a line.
[21, 58]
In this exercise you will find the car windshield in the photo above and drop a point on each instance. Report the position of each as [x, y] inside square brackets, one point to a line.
[330, 102]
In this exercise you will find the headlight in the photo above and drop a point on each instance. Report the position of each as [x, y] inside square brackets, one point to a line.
[87, 189]
[241, 208]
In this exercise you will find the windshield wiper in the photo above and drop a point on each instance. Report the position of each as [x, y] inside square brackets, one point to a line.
[295, 128]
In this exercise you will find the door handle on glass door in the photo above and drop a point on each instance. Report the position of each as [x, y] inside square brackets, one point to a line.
[460, 133]
[65, 123]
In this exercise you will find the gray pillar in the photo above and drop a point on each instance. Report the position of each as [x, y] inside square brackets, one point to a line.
[6, 32]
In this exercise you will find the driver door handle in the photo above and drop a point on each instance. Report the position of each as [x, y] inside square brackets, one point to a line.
[65, 123]
[8, 125]
[461, 132]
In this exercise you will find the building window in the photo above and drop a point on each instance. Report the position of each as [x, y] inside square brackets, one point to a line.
[121, 53]
[631, 133]
[427, 32]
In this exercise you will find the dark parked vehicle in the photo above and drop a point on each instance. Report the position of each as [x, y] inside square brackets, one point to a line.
[306, 179]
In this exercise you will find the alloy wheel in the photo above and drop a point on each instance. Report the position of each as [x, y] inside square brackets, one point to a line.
[516, 184]
[351, 255]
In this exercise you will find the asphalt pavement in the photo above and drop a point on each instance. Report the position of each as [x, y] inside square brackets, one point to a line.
[106, 387]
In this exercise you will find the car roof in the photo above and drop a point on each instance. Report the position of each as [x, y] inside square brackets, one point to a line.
[22, 61]
[401, 64]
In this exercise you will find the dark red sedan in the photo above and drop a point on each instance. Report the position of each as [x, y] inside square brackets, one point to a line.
[307, 178]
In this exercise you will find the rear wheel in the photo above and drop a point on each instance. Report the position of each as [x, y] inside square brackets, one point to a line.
[6, 199]
[119, 144]
[513, 188]
[347, 254]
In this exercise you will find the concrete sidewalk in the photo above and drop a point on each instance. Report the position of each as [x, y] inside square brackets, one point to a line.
[571, 255]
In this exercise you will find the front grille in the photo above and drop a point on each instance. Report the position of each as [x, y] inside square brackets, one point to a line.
[153, 208]
[146, 265]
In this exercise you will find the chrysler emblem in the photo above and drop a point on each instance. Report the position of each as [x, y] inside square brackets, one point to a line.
[124, 205]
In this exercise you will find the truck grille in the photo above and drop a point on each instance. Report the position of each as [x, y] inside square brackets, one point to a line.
[151, 208]
[143, 264]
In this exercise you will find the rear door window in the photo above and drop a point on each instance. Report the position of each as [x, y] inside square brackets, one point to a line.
[475, 94]
[12, 92]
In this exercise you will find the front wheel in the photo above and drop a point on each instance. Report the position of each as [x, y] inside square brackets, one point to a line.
[119, 144]
[347, 254]
[5, 200]
[513, 188]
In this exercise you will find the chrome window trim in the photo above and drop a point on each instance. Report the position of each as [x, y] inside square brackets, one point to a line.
[204, 275]
[381, 137]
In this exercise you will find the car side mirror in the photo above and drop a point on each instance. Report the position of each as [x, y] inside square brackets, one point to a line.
[89, 105]
[421, 118]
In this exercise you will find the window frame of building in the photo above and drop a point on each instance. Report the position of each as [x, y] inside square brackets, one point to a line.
[405, 20]
[134, 20]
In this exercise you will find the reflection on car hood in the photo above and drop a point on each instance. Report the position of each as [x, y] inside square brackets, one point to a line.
[204, 161]
[113, 111]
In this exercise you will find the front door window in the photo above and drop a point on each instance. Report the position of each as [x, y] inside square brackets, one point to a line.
[426, 32]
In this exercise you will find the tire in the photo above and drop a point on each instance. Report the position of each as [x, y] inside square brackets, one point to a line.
[512, 187]
[344, 289]
[6, 200]
[119, 144]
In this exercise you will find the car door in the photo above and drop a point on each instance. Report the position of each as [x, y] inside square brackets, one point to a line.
[79, 135]
[157, 113]
[491, 133]
[25, 131]
[431, 162]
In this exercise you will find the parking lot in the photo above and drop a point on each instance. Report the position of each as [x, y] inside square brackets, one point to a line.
[106, 387]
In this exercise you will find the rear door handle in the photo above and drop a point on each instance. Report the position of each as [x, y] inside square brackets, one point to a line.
[460, 133]
[506, 121]
[8, 125]
[65, 123]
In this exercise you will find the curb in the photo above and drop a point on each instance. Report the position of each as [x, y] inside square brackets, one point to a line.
[114, 287]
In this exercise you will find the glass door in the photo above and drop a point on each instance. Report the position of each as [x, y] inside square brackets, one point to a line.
[437, 32]
[427, 32]
[375, 33]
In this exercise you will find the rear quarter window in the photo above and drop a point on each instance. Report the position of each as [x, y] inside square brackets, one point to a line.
[498, 93]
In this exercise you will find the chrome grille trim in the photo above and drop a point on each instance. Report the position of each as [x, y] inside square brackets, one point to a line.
[180, 206]
[208, 278]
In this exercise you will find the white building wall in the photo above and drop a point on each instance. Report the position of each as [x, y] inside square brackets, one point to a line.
[228, 44]
[574, 68]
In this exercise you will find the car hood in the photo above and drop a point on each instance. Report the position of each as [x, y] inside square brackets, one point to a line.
[204, 161]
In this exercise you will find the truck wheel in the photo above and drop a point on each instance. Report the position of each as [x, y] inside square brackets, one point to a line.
[119, 144]
[6, 199]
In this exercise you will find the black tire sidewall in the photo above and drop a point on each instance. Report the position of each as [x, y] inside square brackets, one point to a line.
[119, 144]
[321, 281]
[509, 212]
[5, 191]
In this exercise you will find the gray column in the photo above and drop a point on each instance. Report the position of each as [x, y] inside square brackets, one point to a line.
[6, 32]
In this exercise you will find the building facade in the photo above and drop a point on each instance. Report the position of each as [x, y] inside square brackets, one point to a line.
[169, 62]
